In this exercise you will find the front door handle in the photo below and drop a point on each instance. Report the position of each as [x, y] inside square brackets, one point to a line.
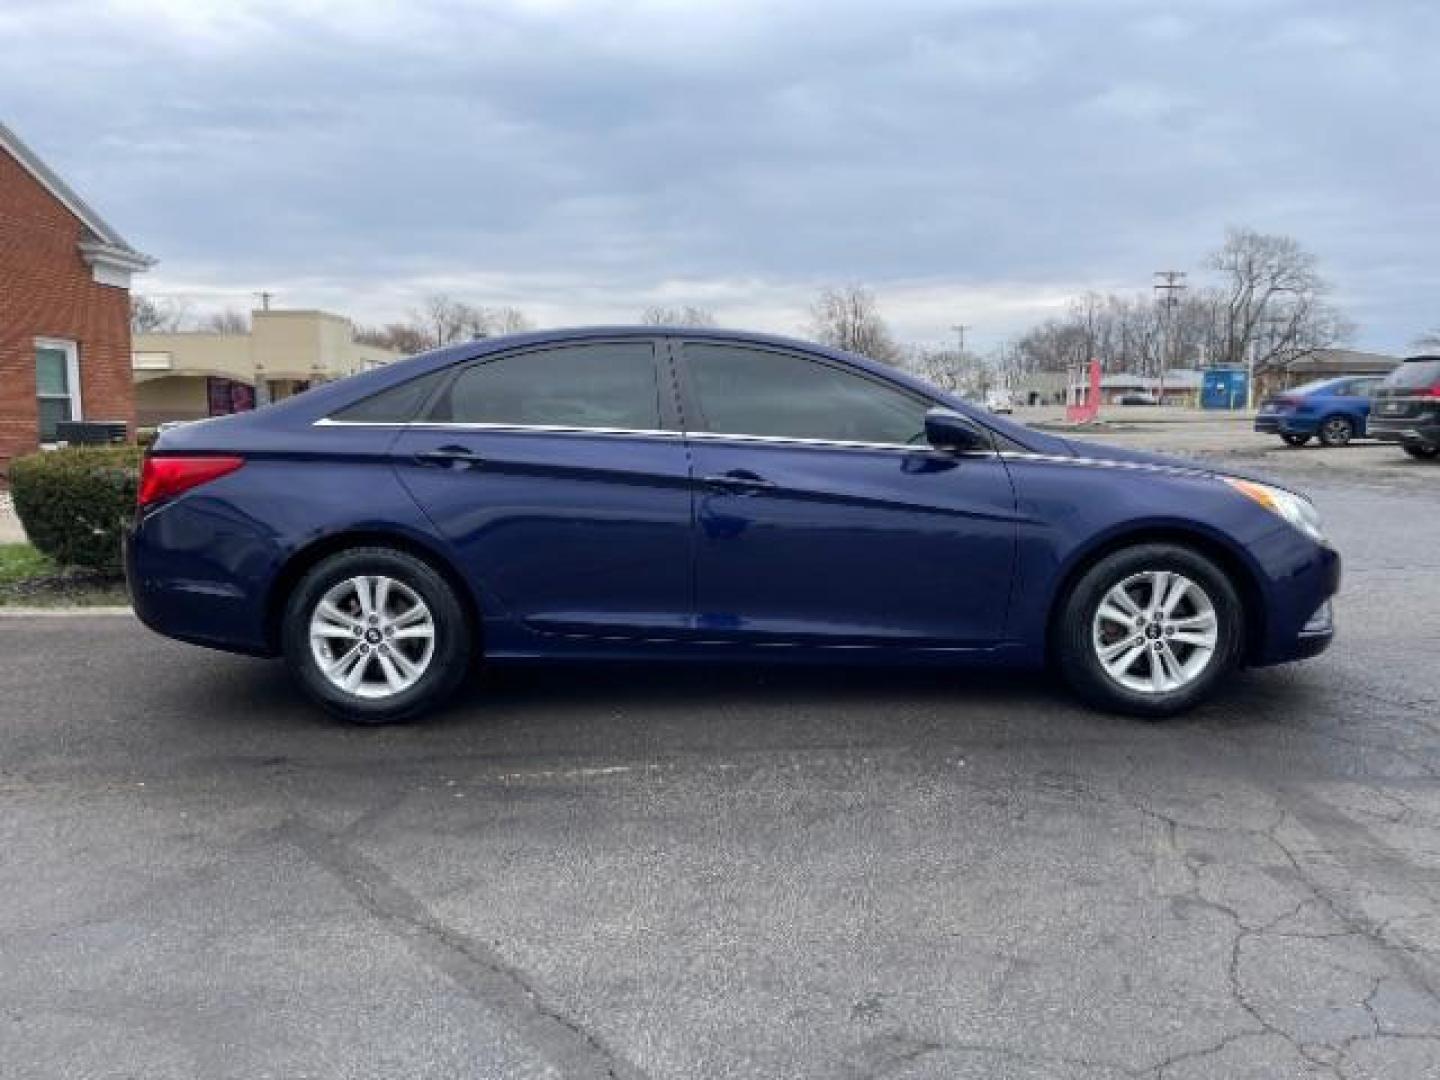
[450, 456]
[738, 482]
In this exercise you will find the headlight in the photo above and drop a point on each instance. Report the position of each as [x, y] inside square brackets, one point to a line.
[1295, 509]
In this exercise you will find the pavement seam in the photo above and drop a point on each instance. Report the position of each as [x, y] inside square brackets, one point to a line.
[473, 966]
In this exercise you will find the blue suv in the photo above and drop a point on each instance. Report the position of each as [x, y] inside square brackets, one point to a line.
[1334, 410]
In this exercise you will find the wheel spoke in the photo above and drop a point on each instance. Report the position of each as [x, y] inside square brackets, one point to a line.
[1199, 641]
[1179, 587]
[407, 667]
[1111, 613]
[1126, 662]
[1110, 652]
[413, 614]
[393, 678]
[341, 664]
[381, 596]
[417, 632]
[1170, 664]
[334, 615]
[1159, 585]
[356, 674]
[364, 596]
[1122, 599]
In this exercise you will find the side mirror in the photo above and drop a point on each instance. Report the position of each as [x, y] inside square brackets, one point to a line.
[945, 429]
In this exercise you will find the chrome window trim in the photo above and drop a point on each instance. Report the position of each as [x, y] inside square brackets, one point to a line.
[708, 436]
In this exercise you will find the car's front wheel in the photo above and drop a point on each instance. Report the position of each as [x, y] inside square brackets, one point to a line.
[376, 635]
[1150, 630]
[1423, 451]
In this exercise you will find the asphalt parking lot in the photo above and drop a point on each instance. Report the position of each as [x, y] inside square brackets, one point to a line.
[737, 873]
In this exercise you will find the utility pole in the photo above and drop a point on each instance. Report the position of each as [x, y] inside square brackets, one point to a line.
[264, 300]
[960, 329]
[960, 365]
[1168, 286]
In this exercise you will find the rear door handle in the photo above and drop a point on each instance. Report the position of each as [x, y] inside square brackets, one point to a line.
[738, 482]
[452, 456]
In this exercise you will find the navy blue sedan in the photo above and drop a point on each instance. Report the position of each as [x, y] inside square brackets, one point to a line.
[1332, 410]
[657, 493]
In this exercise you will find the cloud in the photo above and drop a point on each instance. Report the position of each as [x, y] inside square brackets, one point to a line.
[971, 161]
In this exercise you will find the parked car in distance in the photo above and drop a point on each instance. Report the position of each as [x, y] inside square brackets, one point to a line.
[1000, 400]
[1332, 410]
[1407, 407]
[1139, 397]
[660, 494]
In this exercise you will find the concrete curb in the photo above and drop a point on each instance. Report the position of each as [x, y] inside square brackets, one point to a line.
[62, 612]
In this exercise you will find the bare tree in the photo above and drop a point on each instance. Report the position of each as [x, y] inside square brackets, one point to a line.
[847, 317]
[149, 316]
[406, 338]
[229, 321]
[511, 320]
[1272, 300]
[443, 319]
[688, 315]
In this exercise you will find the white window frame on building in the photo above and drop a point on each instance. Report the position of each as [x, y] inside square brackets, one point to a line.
[72, 381]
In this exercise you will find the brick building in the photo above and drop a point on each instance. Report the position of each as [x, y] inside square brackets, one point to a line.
[64, 306]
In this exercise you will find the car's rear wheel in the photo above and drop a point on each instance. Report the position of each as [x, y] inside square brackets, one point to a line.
[1336, 431]
[1423, 451]
[1150, 630]
[376, 635]
[1296, 440]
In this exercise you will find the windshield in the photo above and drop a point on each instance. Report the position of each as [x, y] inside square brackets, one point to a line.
[1414, 373]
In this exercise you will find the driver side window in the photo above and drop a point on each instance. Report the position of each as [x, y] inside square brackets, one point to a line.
[752, 391]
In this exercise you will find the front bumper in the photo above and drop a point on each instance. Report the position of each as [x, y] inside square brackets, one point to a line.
[1411, 430]
[1300, 617]
[1284, 424]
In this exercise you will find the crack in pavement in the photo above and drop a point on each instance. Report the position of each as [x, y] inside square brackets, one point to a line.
[475, 968]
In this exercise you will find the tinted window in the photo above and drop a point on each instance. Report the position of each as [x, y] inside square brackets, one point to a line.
[583, 386]
[744, 391]
[397, 405]
[1414, 374]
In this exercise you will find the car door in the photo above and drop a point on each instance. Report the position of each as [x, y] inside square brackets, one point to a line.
[560, 479]
[823, 516]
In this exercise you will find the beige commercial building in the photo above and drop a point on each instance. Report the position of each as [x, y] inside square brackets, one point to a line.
[189, 375]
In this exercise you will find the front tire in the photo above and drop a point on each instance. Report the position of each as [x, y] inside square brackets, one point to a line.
[1150, 631]
[376, 636]
[1295, 440]
[1423, 451]
[1336, 431]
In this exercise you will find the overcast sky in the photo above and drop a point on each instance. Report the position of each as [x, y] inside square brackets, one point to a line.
[973, 162]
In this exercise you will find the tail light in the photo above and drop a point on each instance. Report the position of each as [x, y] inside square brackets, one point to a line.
[163, 478]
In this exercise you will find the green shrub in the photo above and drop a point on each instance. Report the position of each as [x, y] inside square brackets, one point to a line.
[74, 502]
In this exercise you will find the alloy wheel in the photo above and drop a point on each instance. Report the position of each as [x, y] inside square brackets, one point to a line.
[1155, 632]
[372, 636]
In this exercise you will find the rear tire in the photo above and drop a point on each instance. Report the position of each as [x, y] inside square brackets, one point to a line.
[1296, 440]
[1423, 451]
[1111, 662]
[1336, 431]
[376, 636]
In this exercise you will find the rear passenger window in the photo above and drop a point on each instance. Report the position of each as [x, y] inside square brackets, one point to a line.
[573, 386]
[397, 405]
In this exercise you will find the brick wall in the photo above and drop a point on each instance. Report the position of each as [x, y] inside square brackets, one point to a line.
[46, 290]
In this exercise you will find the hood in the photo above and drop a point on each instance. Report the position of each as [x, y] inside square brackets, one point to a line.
[1095, 451]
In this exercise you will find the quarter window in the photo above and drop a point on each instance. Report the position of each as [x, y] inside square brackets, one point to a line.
[575, 386]
[57, 385]
[744, 391]
[397, 405]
